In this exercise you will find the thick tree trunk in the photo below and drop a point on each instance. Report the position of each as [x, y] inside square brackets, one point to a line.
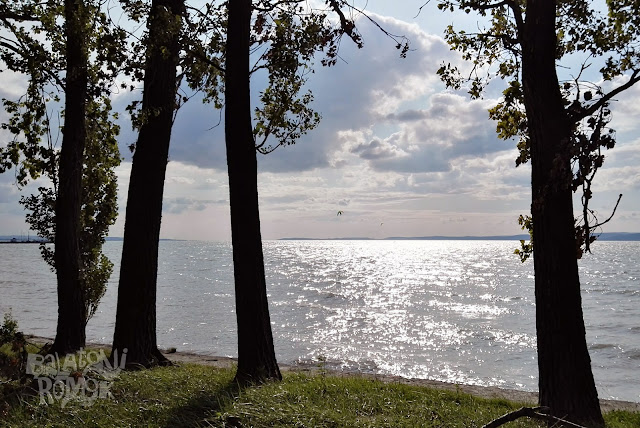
[70, 333]
[565, 378]
[256, 355]
[135, 329]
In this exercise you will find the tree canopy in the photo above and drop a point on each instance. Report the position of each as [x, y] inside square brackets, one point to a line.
[599, 53]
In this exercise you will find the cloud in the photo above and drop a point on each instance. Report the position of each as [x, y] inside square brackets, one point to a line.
[183, 204]
[407, 116]
[13, 85]
[395, 151]
[377, 149]
[425, 140]
[365, 84]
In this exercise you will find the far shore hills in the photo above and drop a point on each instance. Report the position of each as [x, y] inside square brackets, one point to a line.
[609, 236]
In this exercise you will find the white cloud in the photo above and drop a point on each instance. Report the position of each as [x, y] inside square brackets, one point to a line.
[395, 151]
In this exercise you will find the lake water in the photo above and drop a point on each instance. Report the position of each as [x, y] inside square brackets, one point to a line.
[457, 311]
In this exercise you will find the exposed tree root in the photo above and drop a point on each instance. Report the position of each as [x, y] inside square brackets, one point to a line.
[530, 412]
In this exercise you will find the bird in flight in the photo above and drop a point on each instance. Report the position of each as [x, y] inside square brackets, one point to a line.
[340, 213]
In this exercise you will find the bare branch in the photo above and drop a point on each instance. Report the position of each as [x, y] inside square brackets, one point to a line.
[420, 9]
[577, 116]
[612, 214]
[401, 40]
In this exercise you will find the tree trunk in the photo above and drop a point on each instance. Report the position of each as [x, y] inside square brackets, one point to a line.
[135, 329]
[70, 334]
[565, 379]
[256, 355]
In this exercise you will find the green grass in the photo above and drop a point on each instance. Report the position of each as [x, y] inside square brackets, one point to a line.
[201, 396]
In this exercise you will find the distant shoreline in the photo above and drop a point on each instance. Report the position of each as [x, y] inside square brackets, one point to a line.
[25, 242]
[611, 236]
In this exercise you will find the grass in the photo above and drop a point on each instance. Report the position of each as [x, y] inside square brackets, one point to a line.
[201, 396]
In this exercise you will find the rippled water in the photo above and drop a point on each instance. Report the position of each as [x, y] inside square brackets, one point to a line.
[459, 311]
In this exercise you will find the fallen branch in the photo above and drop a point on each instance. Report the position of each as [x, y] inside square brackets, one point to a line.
[530, 412]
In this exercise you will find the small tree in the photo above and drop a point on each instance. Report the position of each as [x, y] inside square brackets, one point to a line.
[99, 207]
[80, 175]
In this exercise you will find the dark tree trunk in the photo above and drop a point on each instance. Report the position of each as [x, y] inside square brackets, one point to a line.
[135, 329]
[70, 333]
[566, 382]
[256, 356]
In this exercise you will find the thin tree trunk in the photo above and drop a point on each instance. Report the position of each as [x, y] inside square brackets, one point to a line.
[135, 329]
[70, 333]
[256, 355]
[565, 378]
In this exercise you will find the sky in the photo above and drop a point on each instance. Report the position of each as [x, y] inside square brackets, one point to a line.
[396, 152]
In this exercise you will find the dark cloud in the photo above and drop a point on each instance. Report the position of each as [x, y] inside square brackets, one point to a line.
[344, 95]
[407, 116]
[183, 204]
[375, 150]
[430, 140]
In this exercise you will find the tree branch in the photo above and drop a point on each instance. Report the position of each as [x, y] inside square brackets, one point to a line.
[635, 78]
[511, 4]
[206, 60]
[347, 26]
[14, 16]
[272, 6]
[531, 413]
[420, 9]
[612, 214]
[15, 49]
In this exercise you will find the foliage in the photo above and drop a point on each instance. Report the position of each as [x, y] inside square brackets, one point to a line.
[292, 44]
[99, 207]
[285, 39]
[99, 201]
[14, 344]
[609, 38]
[8, 329]
[41, 218]
[526, 248]
[33, 151]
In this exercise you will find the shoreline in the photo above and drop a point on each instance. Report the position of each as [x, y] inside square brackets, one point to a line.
[313, 369]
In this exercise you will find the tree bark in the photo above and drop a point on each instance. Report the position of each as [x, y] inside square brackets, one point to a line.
[256, 355]
[135, 330]
[565, 378]
[70, 333]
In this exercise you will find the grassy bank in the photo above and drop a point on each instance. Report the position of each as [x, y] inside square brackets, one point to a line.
[201, 396]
